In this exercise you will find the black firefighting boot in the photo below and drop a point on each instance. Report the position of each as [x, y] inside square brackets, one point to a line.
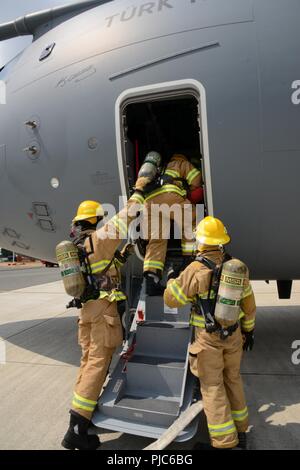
[242, 441]
[153, 286]
[77, 436]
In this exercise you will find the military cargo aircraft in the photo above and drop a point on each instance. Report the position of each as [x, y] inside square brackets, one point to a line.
[103, 82]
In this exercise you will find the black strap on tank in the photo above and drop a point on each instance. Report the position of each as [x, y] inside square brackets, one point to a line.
[162, 179]
[151, 187]
[207, 306]
[184, 183]
[167, 179]
[92, 289]
[91, 292]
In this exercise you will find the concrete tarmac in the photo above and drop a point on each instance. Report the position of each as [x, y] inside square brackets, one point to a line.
[39, 368]
[17, 278]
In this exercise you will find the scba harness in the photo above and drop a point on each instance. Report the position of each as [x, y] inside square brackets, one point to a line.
[206, 306]
[162, 180]
[94, 283]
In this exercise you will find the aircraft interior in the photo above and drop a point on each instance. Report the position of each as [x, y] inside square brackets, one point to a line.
[168, 125]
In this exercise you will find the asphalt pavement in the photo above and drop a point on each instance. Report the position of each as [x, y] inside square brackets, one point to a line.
[19, 278]
[40, 358]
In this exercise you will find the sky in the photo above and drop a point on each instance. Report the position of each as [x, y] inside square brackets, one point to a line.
[12, 9]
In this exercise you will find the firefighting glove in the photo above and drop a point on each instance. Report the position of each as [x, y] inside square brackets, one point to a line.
[141, 183]
[127, 251]
[248, 338]
[122, 256]
[172, 273]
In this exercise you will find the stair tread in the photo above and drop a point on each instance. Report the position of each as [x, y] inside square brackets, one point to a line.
[158, 361]
[155, 405]
[165, 325]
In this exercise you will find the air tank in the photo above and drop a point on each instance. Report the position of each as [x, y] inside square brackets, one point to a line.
[150, 167]
[233, 277]
[67, 256]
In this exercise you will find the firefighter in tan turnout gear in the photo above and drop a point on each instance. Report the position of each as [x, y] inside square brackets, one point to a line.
[179, 177]
[223, 315]
[100, 330]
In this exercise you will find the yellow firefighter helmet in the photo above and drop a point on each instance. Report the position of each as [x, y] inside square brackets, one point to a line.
[211, 231]
[89, 210]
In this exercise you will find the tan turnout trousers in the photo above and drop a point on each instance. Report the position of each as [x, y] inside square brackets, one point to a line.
[215, 361]
[158, 214]
[159, 228]
[99, 334]
[217, 364]
[99, 324]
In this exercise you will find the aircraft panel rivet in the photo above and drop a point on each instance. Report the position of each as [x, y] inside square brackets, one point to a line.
[93, 143]
[33, 150]
[31, 124]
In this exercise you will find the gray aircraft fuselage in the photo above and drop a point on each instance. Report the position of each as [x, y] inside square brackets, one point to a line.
[243, 55]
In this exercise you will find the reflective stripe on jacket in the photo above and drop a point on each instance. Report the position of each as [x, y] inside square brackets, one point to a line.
[105, 242]
[179, 167]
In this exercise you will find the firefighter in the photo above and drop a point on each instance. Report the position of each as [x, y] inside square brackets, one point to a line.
[215, 354]
[179, 177]
[100, 330]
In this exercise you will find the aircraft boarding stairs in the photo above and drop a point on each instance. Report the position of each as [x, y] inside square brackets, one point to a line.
[151, 384]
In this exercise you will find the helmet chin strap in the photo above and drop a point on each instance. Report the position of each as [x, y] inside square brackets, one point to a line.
[202, 248]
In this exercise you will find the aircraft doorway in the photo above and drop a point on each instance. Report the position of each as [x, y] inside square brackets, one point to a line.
[169, 122]
[167, 125]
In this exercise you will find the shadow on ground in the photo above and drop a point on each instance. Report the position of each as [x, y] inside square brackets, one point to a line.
[54, 338]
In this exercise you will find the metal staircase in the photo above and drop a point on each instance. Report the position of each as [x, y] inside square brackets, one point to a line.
[151, 383]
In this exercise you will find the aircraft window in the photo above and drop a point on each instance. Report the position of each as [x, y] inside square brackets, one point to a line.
[55, 183]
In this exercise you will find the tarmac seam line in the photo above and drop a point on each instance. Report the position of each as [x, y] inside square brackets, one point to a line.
[40, 364]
